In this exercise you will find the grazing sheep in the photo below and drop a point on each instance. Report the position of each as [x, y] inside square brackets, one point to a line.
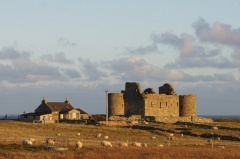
[32, 140]
[106, 143]
[50, 141]
[58, 134]
[160, 145]
[143, 145]
[78, 134]
[27, 142]
[220, 146]
[215, 128]
[78, 145]
[137, 144]
[105, 137]
[98, 135]
[218, 138]
[153, 137]
[181, 135]
[123, 144]
[171, 135]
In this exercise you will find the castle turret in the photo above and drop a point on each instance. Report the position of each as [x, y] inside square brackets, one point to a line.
[188, 105]
[115, 104]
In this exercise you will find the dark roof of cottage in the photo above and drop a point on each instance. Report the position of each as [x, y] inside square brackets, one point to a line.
[58, 106]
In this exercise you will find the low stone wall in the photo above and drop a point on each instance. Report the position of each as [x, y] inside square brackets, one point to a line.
[123, 118]
[182, 119]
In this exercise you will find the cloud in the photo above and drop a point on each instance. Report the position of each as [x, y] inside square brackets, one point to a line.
[72, 73]
[92, 70]
[137, 69]
[143, 50]
[12, 54]
[217, 33]
[64, 42]
[58, 58]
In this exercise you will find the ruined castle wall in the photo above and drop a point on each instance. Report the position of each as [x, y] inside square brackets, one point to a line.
[134, 104]
[115, 104]
[161, 105]
[188, 105]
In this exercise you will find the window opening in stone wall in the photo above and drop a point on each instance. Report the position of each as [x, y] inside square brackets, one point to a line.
[177, 103]
[166, 104]
[160, 104]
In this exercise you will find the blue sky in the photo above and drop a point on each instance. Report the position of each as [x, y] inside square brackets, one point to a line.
[79, 49]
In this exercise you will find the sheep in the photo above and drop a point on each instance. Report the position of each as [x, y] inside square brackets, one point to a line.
[153, 137]
[215, 128]
[27, 142]
[106, 143]
[181, 135]
[160, 145]
[32, 140]
[50, 141]
[123, 144]
[78, 145]
[78, 134]
[98, 135]
[57, 134]
[105, 137]
[171, 135]
[137, 144]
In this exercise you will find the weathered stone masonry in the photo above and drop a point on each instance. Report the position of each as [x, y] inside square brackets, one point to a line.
[134, 101]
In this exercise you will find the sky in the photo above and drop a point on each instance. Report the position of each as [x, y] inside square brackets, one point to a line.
[77, 49]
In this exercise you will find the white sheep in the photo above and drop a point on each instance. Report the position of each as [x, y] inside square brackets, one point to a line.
[78, 134]
[50, 141]
[105, 137]
[27, 142]
[78, 145]
[106, 143]
[32, 140]
[57, 134]
[171, 135]
[160, 145]
[123, 144]
[153, 137]
[137, 144]
[181, 135]
[98, 135]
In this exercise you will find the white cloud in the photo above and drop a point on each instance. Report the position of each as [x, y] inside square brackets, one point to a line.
[58, 58]
[217, 33]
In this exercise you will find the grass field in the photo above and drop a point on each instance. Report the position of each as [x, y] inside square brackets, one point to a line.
[13, 132]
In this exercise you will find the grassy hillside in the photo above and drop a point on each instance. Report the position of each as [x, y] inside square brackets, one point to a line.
[12, 134]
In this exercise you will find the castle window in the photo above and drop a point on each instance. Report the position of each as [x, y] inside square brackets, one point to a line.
[152, 103]
[166, 104]
[177, 103]
[160, 104]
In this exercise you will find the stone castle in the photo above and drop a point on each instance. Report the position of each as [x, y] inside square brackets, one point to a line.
[166, 103]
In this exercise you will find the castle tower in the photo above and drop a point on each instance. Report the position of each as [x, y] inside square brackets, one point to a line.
[115, 104]
[188, 105]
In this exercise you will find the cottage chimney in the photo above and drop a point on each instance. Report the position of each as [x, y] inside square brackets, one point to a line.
[44, 101]
[67, 101]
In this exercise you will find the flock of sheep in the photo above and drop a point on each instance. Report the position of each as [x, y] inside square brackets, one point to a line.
[79, 144]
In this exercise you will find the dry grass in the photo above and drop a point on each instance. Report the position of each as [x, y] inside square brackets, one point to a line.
[12, 134]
